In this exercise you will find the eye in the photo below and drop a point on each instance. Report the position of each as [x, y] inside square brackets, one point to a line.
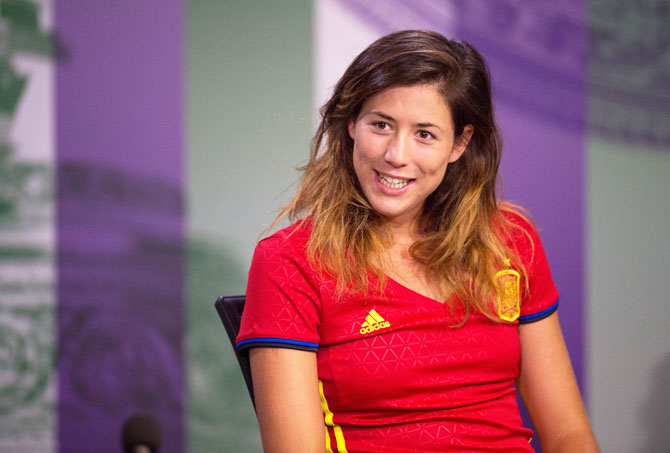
[382, 125]
[425, 135]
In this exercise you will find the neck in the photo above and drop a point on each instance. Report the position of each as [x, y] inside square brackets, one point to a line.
[403, 234]
[401, 266]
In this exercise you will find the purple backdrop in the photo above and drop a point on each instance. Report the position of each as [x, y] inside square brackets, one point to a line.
[120, 227]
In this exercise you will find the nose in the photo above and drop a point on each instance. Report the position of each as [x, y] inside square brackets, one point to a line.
[398, 151]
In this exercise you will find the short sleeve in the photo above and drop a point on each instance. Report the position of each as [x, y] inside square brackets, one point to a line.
[282, 307]
[541, 300]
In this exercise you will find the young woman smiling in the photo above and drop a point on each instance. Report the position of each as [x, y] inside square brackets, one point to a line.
[402, 306]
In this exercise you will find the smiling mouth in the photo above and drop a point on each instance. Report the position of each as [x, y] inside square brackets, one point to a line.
[393, 183]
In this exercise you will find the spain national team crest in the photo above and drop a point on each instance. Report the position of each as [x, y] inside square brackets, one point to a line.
[508, 281]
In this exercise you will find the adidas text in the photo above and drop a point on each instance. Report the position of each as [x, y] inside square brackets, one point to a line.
[376, 326]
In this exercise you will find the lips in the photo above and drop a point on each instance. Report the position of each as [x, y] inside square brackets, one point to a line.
[391, 182]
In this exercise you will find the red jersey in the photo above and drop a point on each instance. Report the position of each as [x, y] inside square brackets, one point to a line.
[394, 373]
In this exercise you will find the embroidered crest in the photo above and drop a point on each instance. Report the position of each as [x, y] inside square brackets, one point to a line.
[508, 281]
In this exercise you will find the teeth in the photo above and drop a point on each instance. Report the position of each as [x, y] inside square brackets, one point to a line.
[394, 183]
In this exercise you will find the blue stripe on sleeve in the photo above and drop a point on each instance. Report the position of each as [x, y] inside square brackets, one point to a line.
[539, 315]
[278, 342]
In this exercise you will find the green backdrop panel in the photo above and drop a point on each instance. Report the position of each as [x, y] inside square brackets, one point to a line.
[249, 72]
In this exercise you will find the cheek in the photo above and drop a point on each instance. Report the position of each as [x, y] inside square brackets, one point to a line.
[369, 146]
[365, 153]
[359, 163]
[434, 165]
[434, 172]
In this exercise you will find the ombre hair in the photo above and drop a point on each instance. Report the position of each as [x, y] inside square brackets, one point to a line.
[461, 228]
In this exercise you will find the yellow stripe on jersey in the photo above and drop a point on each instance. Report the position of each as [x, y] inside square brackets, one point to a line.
[328, 418]
[328, 448]
[376, 315]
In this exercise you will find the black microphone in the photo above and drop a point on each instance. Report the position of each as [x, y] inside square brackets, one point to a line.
[141, 434]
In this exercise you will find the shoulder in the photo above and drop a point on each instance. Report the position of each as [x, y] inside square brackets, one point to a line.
[517, 220]
[521, 235]
[518, 228]
[285, 249]
[283, 299]
[291, 238]
[280, 262]
[541, 300]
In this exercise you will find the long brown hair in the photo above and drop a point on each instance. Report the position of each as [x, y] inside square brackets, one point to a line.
[461, 243]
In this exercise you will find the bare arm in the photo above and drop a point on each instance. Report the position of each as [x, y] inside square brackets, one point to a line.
[287, 400]
[549, 389]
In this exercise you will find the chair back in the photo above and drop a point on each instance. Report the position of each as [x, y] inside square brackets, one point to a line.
[230, 310]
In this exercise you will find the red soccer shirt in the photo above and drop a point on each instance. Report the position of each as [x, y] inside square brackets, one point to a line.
[394, 374]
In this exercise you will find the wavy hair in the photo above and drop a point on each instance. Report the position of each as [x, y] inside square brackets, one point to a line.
[461, 227]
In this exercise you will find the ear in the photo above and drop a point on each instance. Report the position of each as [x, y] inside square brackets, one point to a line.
[461, 143]
[352, 128]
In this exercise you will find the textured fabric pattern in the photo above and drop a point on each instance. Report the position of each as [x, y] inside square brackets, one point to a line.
[396, 374]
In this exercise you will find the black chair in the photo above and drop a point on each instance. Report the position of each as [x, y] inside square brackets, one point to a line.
[230, 311]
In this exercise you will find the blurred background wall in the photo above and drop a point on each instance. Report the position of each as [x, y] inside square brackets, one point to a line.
[145, 146]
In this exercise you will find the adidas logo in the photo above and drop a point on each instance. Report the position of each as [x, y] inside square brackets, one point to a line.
[373, 322]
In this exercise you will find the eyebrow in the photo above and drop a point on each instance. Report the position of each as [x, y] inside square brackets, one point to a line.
[390, 118]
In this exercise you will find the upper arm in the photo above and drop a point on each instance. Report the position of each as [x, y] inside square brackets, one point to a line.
[287, 400]
[549, 389]
[280, 330]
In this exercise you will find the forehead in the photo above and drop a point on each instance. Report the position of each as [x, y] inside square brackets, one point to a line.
[423, 103]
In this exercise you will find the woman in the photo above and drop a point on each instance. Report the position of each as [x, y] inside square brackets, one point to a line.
[399, 311]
